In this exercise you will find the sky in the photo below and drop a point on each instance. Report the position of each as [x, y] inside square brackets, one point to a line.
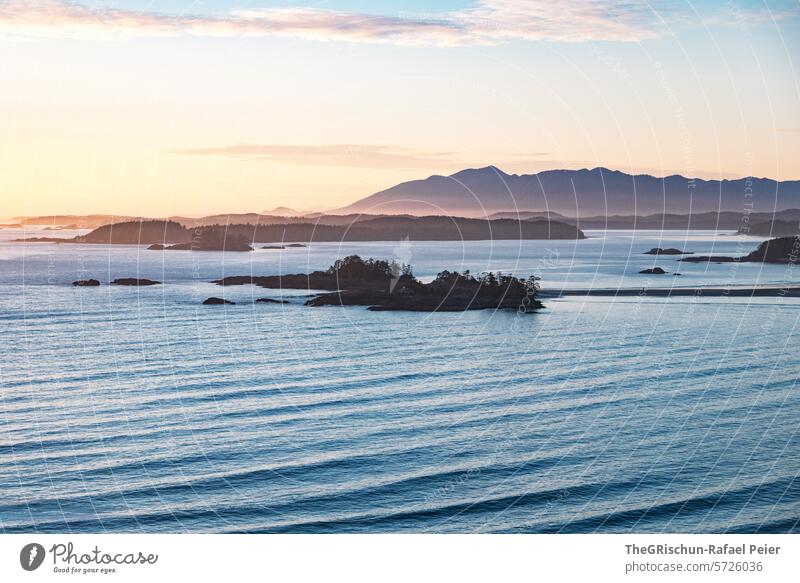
[196, 107]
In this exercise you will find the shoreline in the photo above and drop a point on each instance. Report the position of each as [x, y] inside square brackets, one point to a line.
[700, 291]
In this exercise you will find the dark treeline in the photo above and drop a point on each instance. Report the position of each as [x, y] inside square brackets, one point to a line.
[709, 220]
[239, 237]
[776, 228]
[138, 233]
[397, 228]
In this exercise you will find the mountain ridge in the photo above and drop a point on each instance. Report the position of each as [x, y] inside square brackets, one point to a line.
[575, 193]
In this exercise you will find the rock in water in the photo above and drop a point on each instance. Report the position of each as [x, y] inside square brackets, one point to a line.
[667, 251]
[216, 302]
[709, 259]
[86, 283]
[653, 271]
[134, 281]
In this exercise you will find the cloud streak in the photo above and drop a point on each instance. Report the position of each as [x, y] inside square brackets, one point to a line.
[490, 21]
[354, 155]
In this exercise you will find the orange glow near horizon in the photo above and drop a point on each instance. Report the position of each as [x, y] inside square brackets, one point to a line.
[159, 123]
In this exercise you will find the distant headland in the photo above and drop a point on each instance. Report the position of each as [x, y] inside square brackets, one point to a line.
[784, 250]
[743, 221]
[171, 235]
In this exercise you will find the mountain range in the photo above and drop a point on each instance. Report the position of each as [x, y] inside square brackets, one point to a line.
[594, 199]
[480, 192]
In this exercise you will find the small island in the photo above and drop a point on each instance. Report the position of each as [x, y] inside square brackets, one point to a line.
[387, 285]
[217, 302]
[783, 250]
[282, 247]
[653, 271]
[86, 283]
[667, 251]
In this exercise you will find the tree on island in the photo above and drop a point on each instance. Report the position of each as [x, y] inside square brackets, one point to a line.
[355, 268]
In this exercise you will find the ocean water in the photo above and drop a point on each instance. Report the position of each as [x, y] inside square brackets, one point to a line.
[140, 410]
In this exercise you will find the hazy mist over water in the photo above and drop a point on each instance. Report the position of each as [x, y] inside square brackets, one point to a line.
[140, 410]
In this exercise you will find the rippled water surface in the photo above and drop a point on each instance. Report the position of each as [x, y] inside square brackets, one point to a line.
[125, 409]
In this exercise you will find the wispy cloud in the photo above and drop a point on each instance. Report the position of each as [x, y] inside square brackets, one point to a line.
[354, 155]
[490, 21]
